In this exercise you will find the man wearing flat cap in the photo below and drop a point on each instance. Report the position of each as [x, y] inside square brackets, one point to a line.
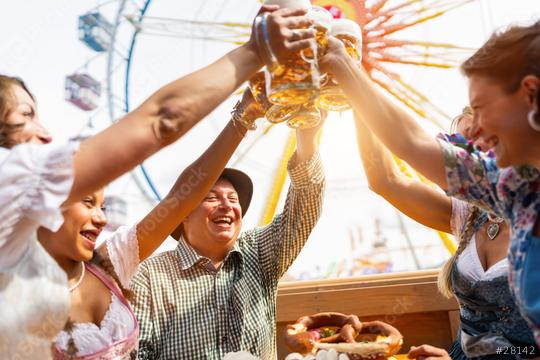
[216, 292]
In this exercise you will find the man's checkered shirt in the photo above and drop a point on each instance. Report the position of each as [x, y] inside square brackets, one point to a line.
[187, 310]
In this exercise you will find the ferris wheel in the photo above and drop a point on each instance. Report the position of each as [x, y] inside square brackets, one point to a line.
[112, 30]
[192, 34]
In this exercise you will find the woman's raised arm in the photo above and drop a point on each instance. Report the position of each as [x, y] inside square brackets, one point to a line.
[419, 201]
[397, 130]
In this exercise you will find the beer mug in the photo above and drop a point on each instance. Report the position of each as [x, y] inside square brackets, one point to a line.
[322, 23]
[306, 117]
[273, 113]
[298, 80]
[331, 97]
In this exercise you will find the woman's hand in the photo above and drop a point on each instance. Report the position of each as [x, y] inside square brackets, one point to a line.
[252, 109]
[335, 55]
[246, 112]
[428, 352]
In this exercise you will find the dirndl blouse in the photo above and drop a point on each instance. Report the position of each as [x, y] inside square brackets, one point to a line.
[34, 300]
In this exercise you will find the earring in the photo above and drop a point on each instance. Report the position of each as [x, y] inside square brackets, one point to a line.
[532, 121]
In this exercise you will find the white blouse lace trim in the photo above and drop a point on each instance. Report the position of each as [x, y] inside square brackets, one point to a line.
[469, 265]
[89, 338]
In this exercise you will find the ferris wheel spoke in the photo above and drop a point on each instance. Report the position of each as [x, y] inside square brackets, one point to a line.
[408, 95]
[196, 32]
[405, 15]
[201, 30]
[426, 44]
[103, 4]
[197, 22]
[380, 10]
[232, 40]
[89, 62]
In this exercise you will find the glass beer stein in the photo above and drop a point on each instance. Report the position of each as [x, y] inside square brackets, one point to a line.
[273, 113]
[331, 97]
[306, 117]
[298, 80]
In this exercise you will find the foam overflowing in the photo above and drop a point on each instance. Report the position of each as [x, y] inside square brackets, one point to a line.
[346, 27]
[321, 17]
[291, 4]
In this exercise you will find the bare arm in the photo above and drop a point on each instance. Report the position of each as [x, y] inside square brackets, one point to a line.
[307, 142]
[159, 121]
[190, 187]
[177, 107]
[392, 125]
[415, 199]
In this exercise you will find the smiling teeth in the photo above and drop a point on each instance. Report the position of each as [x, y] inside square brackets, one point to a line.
[223, 218]
[88, 236]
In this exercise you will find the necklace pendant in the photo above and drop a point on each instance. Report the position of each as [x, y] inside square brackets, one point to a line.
[493, 230]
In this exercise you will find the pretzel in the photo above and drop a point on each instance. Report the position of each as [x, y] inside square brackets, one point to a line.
[328, 327]
[374, 340]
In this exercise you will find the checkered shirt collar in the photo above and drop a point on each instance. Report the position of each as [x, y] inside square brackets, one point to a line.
[189, 257]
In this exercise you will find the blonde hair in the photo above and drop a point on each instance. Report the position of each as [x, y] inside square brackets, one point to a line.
[444, 281]
[467, 111]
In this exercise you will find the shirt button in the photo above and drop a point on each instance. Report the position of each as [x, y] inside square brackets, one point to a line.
[223, 339]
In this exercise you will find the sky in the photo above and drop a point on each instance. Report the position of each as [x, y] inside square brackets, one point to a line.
[40, 44]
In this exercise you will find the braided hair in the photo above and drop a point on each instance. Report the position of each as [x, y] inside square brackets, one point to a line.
[444, 281]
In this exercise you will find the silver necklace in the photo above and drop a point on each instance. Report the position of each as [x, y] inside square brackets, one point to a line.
[76, 285]
[493, 227]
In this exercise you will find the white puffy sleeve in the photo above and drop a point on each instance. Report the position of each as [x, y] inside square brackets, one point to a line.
[123, 250]
[34, 182]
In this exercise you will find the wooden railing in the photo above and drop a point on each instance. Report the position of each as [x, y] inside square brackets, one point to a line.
[409, 301]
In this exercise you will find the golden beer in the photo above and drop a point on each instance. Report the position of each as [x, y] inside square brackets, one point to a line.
[331, 97]
[258, 89]
[298, 80]
[273, 113]
[322, 22]
[277, 114]
[306, 117]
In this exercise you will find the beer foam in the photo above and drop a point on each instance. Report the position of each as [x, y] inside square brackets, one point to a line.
[321, 16]
[291, 4]
[346, 27]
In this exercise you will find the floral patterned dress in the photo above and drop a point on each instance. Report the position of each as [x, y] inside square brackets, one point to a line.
[513, 193]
